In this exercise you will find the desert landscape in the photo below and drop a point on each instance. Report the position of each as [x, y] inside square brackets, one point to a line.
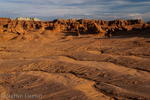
[74, 59]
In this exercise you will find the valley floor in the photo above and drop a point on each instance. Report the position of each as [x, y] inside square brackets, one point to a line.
[64, 67]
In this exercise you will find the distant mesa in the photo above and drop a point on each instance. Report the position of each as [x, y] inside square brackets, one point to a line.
[26, 18]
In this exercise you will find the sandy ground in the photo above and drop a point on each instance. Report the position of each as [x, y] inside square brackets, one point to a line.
[44, 65]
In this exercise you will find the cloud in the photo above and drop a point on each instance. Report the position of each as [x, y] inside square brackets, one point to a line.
[95, 9]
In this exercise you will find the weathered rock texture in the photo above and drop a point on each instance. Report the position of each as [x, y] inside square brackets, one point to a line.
[49, 58]
[83, 26]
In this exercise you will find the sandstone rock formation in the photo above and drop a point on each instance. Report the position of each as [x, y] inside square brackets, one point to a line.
[66, 60]
[1, 29]
[83, 26]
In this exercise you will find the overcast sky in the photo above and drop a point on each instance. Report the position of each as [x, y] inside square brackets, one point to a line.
[76, 9]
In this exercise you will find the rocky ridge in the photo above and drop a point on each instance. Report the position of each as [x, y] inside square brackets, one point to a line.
[82, 26]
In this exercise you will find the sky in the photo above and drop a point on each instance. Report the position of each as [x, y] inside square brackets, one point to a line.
[76, 9]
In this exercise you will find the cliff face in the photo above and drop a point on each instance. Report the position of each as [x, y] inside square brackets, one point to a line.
[98, 27]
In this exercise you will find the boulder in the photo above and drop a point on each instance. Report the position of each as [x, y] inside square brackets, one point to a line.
[19, 30]
[95, 28]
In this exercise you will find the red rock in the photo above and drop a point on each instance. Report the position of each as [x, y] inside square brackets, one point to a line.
[109, 35]
[95, 28]
[19, 30]
[1, 29]
[13, 30]
[4, 21]
[42, 26]
[137, 26]
[56, 26]
[145, 25]
[100, 27]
